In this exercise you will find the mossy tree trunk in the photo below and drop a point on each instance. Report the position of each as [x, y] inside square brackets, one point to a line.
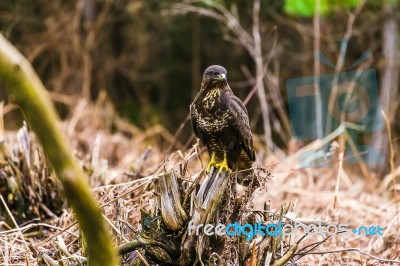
[26, 90]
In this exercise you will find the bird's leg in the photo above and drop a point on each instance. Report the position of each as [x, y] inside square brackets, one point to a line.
[223, 165]
[212, 162]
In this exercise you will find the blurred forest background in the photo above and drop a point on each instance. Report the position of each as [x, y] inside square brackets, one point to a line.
[148, 56]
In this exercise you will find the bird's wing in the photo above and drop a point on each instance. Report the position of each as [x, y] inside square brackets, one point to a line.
[196, 129]
[240, 123]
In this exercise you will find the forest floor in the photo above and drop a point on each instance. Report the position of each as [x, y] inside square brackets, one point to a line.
[123, 162]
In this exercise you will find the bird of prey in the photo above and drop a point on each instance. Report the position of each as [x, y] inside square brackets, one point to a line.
[221, 122]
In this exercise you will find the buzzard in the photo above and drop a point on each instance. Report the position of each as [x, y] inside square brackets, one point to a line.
[221, 122]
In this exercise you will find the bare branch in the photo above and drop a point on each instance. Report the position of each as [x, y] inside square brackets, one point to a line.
[353, 250]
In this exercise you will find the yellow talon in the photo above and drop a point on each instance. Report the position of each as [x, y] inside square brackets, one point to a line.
[223, 165]
[212, 162]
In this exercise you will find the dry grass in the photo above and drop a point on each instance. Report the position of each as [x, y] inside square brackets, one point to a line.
[123, 164]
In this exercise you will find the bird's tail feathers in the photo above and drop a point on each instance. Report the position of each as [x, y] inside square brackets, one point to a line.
[245, 172]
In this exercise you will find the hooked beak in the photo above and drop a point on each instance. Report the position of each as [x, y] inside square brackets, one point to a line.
[222, 76]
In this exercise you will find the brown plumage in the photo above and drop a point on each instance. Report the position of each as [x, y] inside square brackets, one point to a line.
[221, 122]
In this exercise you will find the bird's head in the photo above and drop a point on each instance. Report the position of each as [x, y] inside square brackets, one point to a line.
[214, 76]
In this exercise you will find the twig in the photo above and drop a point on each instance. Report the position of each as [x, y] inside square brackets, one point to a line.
[340, 60]
[250, 95]
[342, 147]
[391, 159]
[30, 226]
[288, 255]
[317, 43]
[142, 258]
[129, 247]
[260, 73]
[354, 250]
[178, 132]
[304, 251]
[54, 236]
[15, 223]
